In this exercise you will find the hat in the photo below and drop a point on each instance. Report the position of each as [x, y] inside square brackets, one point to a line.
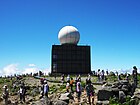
[4, 86]
[45, 81]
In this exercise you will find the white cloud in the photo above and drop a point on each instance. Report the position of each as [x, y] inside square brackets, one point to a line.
[9, 70]
[31, 65]
[12, 69]
[30, 70]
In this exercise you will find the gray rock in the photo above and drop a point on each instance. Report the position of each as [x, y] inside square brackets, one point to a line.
[60, 102]
[122, 97]
[65, 97]
[104, 94]
[102, 102]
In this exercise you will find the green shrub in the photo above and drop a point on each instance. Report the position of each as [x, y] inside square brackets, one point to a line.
[83, 84]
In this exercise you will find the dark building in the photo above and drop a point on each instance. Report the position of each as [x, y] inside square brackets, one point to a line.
[71, 59]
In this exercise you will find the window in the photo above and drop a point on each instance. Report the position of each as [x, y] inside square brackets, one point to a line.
[54, 56]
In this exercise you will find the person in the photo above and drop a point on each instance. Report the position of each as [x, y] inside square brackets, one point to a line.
[68, 78]
[117, 73]
[107, 72]
[134, 74]
[119, 77]
[98, 75]
[88, 80]
[62, 78]
[41, 81]
[89, 76]
[45, 89]
[22, 92]
[67, 86]
[71, 84]
[79, 78]
[102, 75]
[78, 89]
[76, 80]
[5, 94]
[127, 77]
[90, 92]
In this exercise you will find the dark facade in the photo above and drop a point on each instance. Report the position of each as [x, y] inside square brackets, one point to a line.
[70, 59]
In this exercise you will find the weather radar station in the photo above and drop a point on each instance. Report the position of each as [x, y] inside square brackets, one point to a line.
[70, 58]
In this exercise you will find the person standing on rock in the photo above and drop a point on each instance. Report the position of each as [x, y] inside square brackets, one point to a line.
[5, 94]
[134, 74]
[45, 89]
[78, 89]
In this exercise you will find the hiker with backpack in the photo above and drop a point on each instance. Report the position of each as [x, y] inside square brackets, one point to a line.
[45, 89]
[22, 92]
[71, 84]
[78, 89]
[90, 91]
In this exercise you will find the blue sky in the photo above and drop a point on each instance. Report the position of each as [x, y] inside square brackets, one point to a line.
[29, 28]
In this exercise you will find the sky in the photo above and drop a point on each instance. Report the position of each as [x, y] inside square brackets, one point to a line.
[29, 28]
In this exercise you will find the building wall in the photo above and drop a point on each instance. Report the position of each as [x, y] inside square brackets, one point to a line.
[71, 59]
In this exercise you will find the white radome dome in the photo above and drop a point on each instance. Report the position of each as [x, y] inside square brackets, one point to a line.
[68, 35]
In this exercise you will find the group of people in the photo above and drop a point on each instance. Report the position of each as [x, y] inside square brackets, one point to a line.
[100, 75]
[70, 84]
[78, 87]
[22, 92]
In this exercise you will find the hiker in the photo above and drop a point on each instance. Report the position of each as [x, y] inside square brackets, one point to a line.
[62, 78]
[68, 78]
[45, 89]
[78, 89]
[119, 77]
[88, 80]
[71, 84]
[134, 74]
[107, 72]
[98, 75]
[127, 77]
[89, 76]
[90, 92]
[102, 75]
[5, 94]
[67, 86]
[41, 81]
[22, 92]
[76, 80]
[79, 78]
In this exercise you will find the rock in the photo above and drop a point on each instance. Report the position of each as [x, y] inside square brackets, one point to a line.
[122, 97]
[102, 103]
[60, 102]
[64, 97]
[1, 99]
[9, 101]
[104, 94]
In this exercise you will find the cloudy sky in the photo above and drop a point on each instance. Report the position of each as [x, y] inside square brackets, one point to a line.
[29, 28]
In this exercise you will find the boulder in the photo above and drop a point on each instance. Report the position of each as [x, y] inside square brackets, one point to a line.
[104, 94]
[65, 97]
[122, 97]
[60, 102]
[102, 103]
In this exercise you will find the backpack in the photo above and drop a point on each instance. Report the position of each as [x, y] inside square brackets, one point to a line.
[45, 88]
